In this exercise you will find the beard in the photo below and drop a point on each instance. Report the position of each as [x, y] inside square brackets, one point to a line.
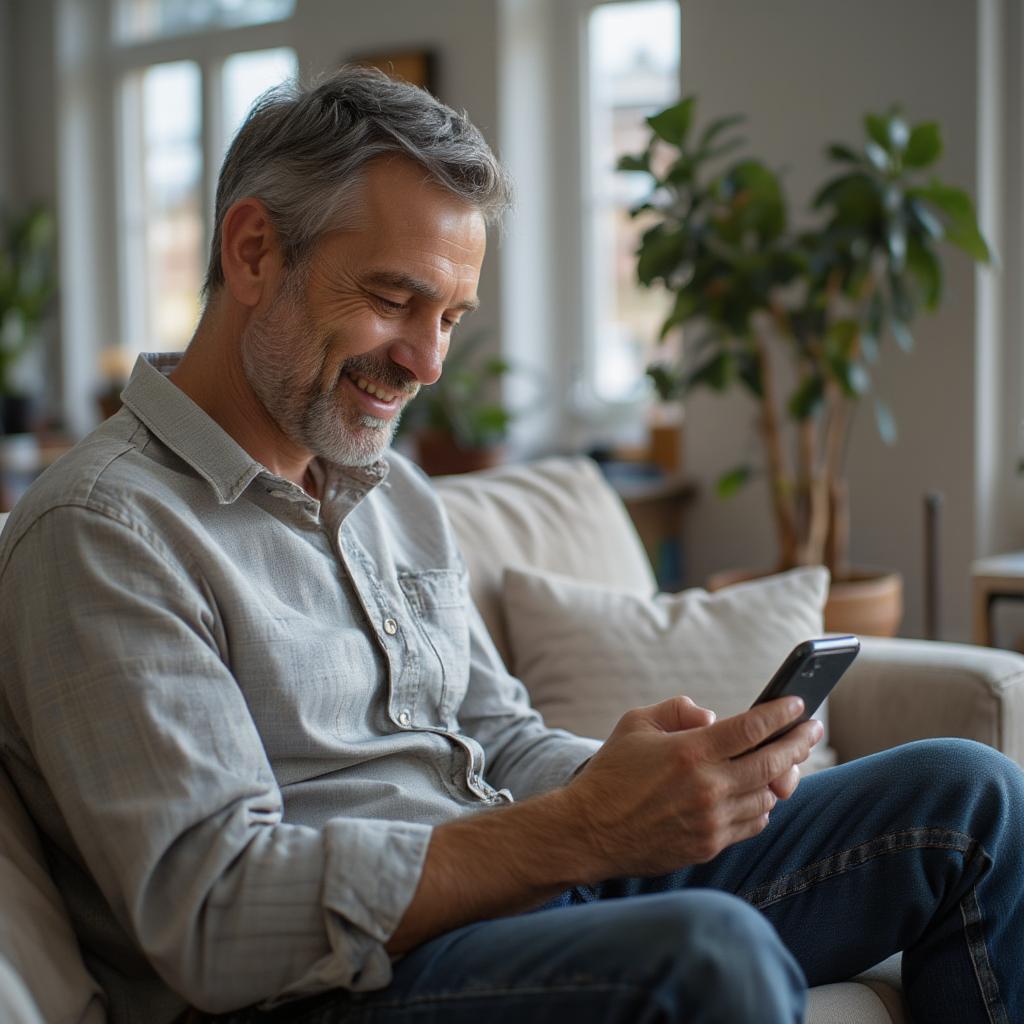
[284, 359]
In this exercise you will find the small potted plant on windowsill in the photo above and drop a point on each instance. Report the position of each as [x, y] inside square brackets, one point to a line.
[751, 291]
[27, 286]
[459, 424]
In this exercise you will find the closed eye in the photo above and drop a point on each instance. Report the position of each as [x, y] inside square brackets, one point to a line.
[388, 304]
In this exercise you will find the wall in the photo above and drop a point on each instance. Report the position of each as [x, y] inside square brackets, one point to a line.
[805, 73]
[7, 81]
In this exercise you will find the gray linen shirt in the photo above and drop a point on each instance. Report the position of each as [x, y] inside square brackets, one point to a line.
[235, 712]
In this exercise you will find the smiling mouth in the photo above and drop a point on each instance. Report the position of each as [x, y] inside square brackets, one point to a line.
[377, 391]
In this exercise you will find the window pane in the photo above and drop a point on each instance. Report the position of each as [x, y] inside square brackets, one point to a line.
[164, 222]
[245, 76]
[149, 19]
[634, 71]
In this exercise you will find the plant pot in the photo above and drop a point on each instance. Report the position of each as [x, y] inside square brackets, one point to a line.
[439, 454]
[868, 602]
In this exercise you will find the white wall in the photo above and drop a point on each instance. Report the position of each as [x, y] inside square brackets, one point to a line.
[805, 73]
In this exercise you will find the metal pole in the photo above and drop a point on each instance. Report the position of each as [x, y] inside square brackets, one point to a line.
[932, 566]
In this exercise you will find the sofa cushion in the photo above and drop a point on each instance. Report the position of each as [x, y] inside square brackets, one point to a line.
[558, 514]
[36, 939]
[589, 652]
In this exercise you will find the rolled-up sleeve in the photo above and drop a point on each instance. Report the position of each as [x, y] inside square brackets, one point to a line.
[126, 706]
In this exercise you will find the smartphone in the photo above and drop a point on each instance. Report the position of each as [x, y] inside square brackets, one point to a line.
[810, 671]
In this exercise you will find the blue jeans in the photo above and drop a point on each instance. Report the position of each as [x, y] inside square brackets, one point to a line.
[919, 849]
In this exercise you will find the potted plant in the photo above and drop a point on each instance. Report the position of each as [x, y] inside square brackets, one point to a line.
[27, 287]
[459, 423]
[752, 292]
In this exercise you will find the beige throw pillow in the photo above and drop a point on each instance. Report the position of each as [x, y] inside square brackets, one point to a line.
[587, 652]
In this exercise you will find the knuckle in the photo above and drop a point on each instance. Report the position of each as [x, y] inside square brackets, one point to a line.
[751, 732]
[705, 850]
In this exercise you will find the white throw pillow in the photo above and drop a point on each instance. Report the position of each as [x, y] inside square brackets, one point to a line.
[588, 652]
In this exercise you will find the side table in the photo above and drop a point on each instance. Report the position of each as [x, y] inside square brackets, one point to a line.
[656, 502]
[996, 578]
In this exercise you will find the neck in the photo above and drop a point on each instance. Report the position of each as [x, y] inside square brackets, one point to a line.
[211, 374]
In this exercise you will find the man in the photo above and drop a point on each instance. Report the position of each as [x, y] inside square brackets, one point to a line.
[273, 753]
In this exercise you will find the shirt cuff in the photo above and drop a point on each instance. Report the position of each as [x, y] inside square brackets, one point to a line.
[370, 877]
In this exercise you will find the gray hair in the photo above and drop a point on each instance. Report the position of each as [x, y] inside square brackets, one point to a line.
[302, 153]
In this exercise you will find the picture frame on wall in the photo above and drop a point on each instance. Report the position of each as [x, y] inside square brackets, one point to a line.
[418, 67]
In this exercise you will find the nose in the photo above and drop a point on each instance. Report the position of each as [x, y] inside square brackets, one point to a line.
[422, 353]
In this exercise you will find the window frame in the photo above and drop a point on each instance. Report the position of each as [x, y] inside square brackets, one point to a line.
[97, 278]
[595, 418]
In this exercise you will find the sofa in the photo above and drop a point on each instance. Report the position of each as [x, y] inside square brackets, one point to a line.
[559, 516]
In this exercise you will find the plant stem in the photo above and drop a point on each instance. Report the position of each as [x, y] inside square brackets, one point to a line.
[837, 548]
[779, 481]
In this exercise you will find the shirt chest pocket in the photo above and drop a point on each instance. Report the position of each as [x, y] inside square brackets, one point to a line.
[438, 600]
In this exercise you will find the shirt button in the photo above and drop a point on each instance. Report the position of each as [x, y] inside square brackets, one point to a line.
[404, 718]
[390, 627]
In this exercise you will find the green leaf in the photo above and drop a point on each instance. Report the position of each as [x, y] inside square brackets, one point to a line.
[673, 124]
[961, 223]
[901, 332]
[899, 132]
[756, 203]
[640, 162]
[844, 154]
[929, 223]
[730, 483]
[750, 372]
[807, 398]
[925, 145]
[686, 304]
[885, 422]
[856, 198]
[896, 242]
[924, 264]
[661, 249]
[857, 380]
[877, 155]
[717, 126]
[715, 373]
[878, 130]
[666, 379]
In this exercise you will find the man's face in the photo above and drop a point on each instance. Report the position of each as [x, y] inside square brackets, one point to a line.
[351, 335]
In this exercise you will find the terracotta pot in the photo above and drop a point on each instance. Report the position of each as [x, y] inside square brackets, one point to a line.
[439, 455]
[868, 602]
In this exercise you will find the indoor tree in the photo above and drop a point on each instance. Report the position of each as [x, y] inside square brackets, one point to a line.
[751, 291]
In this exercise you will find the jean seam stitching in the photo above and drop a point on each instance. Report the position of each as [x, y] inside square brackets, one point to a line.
[855, 856]
[970, 914]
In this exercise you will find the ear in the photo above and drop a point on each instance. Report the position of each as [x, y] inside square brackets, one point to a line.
[250, 254]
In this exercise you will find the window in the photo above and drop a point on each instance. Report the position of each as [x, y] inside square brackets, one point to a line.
[147, 19]
[632, 70]
[170, 156]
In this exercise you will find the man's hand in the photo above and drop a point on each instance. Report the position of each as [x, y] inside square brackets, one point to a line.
[671, 787]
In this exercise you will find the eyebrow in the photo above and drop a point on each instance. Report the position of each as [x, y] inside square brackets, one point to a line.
[407, 283]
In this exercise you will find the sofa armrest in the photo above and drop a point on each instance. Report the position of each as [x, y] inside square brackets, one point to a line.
[901, 690]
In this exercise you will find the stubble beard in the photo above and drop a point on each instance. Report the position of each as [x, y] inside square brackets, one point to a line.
[284, 359]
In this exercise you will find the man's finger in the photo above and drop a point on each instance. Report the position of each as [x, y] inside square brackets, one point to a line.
[737, 735]
[761, 767]
[679, 713]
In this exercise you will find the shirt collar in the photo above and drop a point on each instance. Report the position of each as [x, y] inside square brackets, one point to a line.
[192, 435]
[177, 421]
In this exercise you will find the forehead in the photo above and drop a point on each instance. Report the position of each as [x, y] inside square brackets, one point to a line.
[409, 224]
